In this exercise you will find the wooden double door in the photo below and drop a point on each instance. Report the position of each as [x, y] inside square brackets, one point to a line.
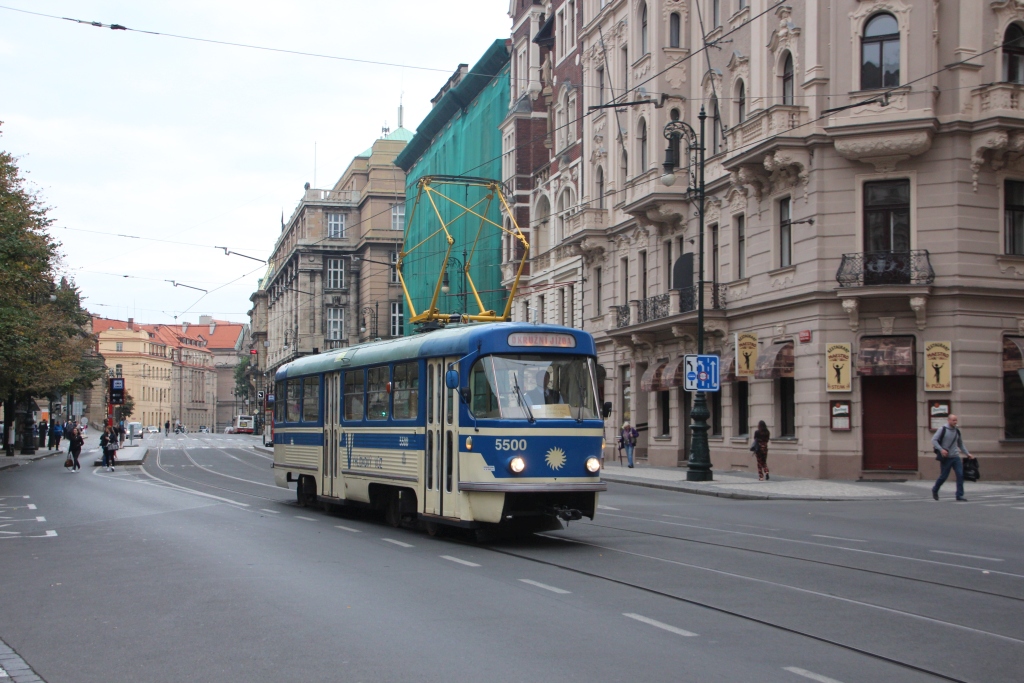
[889, 422]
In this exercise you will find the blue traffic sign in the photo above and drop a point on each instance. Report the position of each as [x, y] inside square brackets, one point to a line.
[702, 372]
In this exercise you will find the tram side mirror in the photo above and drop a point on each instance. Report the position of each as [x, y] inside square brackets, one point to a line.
[606, 409]
[451, 379]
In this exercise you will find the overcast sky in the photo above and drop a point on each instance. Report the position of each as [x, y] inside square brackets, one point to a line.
[169, 139]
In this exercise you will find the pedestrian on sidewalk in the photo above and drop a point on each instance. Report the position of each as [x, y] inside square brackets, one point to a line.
[760, 449]
[75, 443]
[58, 433]
[108, 442]
[948, 443]
[120, 431]
[628, 436]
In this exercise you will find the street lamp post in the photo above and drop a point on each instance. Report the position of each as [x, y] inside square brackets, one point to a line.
[698, 466]
[446, 286]
[372, 312]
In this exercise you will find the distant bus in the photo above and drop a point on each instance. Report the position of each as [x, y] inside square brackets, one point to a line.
[244, 424]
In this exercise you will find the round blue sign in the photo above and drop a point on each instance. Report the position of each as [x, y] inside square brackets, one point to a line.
[691, 376]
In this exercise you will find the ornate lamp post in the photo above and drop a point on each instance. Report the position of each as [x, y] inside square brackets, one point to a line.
[446, 286]
[698, 467]
[370, 312]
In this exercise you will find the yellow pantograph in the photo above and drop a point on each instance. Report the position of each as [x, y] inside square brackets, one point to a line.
[428, 187]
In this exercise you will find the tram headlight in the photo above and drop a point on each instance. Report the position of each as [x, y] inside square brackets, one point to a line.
[469, 443]
[593, 465]
[517, 465]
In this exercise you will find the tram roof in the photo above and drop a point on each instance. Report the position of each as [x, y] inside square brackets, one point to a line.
[454, 340]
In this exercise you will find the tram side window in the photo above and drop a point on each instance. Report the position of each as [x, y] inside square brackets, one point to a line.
[310, 399]
[279, 402]
[406, 391]
[430, 394]
[484, 402]
[294, 400]
[354, 395]
[377, 394]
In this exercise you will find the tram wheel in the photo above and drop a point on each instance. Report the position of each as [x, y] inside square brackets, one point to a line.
[392, 512]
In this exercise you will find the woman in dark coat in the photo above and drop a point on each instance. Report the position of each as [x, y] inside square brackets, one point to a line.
[108, 442]
[761, 437]
[75, 443]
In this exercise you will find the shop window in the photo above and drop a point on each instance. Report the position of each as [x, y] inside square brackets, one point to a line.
[1013, 387]
[786, 401]
[741, 408]
[880, 53]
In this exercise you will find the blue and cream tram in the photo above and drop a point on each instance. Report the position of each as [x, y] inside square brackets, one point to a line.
[471, 425]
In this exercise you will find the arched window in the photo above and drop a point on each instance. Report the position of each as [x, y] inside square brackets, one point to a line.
[880, 53]
[674, 30]
[1013, 54]
[716, 127]
[624, 169]
[542, 225]
[787, 80]
[641, 136]
[600, 187]
[741, 102]
[643, 30]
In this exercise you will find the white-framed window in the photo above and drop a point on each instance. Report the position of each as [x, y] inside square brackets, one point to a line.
[119, 346]
[787, 80]
[785, 234]
[716, 13]
[674, 30]
[393, 257]
[398, 216]
[335, 323]
[336, 226]
[566, 202]
[397, 327]
[335, 273]
[644, 48]
[740, 223]
[880, 53]
[641, 137]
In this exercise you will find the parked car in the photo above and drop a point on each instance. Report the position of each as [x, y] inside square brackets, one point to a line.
[152, 429]
[203, 429]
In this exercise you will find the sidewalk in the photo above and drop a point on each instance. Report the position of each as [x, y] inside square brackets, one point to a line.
[127, 456]
[745, 486]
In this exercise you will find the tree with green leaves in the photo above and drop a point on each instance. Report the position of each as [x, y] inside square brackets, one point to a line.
[46, 341]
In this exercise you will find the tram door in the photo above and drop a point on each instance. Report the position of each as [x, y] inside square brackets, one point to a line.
[332, 432]
[440, 457]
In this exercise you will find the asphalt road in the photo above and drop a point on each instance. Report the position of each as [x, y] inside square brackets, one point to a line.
[196, 567]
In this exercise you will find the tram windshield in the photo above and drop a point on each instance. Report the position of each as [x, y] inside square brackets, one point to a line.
[533, 387]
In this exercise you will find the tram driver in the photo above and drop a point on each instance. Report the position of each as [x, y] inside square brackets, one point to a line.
[542, 393]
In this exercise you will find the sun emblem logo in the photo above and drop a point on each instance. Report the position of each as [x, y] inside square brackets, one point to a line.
[555, 458]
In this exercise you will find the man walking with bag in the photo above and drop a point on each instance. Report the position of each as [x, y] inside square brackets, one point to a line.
[949, 444]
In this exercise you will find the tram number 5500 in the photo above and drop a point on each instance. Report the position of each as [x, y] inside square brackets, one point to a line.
[510, 444]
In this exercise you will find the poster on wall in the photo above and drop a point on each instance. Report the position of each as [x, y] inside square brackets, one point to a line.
[840, 418]
[838, 359]
[938, 414]
[938, 358]
[746, 354]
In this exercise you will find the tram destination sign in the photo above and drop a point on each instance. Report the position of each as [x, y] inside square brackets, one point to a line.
[562, 341]
[701, 372]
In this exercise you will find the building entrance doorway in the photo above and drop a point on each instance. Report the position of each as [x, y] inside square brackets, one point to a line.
[889, 412]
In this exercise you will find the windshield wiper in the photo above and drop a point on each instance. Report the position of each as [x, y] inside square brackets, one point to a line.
[579, 390]
[522, 399]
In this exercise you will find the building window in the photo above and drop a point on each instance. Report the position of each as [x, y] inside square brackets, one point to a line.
[785, 234]
[643, 30]
[887, 216]
[600, 85]
[561, 306]
[398, 216]
[642, 140]
[597, 291]
[716, 13]
[715, 406]
[336, 226]
[743, 4]
[624, 270]
[397, 326]
[541, 309]
[741, 246]
[627, 396]
[674, 30]
[625, 68]
[1015, 217]
[787, 80]
[624, 170]
[600, 187]
[741, 408]
[1013, 387]
[716, 127]
[787, 406]
[393, 257]
[335, 273]
[741, 102]
[335, 323]
[714, 253]
[667, 278]
[665, 410]
[1013, 54]
[565, 204]
[642, 273]
[119, 346]
[880, 53]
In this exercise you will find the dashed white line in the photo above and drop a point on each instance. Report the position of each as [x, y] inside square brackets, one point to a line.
[31, 506]
[546, 587]
[347, 528]
[40, 519]
[810, 674]
[658, 624]
[398, 543]
[973, 557]
[455, 559]
[308, 519]
[607, 507]
[273, 512]
[840, 538]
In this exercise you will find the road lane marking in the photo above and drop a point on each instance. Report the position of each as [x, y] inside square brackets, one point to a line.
[455, 559]
[973, 557]
[308, 519]
[607, 507]
[546, 587]
[347, 528]
[658, 624]
[273, 512]
[40, 519]
[49, 534]
[839, 538]
[398, 543]
[810, 674]
[31, 506]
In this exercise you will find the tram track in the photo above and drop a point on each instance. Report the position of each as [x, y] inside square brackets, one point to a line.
[174, 475]
[940, 584]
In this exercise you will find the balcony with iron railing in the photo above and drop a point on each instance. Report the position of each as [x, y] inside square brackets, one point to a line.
[870, 268]
[662, 306]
